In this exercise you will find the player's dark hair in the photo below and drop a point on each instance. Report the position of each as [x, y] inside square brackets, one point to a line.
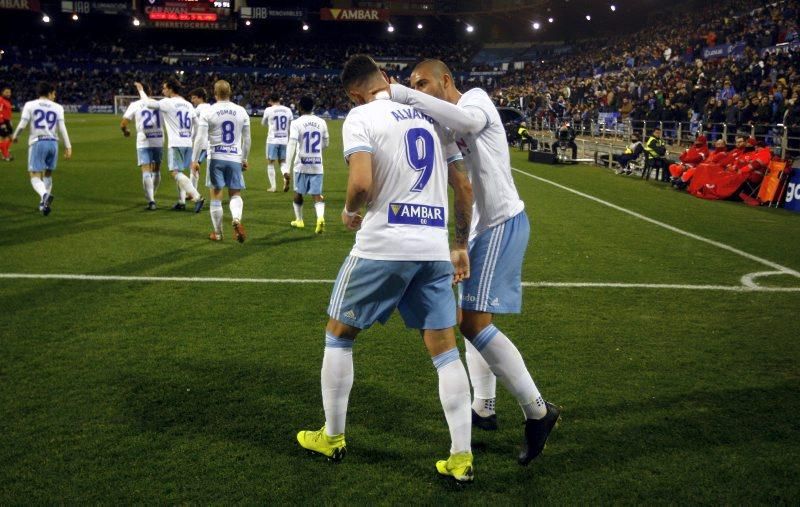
[174, 85]
[274, 97]
[43, 89]
[199, 92]
[357, 70]
[306, 104]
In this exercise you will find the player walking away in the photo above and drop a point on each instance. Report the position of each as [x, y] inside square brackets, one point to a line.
[400, 258]
[308, 136]
[224, 128]
[149, 145]
[498, 238]
[178, 115]
[6, 128]
[198, 98]
[44, 116]
[277, 118]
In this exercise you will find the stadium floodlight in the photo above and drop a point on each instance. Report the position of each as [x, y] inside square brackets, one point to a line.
[136, 22]
[536, 25]
[419, 26]
[305, 27]
[613, 8]
[470, 28]
[390, 28]
[588, 18]
[550, 20]
[74, 16]
[45, 18]
[247, 23]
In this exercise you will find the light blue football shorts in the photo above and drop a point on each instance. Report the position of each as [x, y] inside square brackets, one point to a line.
[276, 151]
[180, 158]
[367, 291]
[224, 173]
[308, 183]
[495, 259]
[43, 155]
[149, 155]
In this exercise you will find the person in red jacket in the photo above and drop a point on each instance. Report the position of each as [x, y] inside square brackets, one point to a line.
[6, 128]
[754, 162]
[689, 159]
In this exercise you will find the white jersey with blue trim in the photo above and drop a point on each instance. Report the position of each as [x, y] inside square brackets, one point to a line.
[149, 133]
[406, 218]
[225, 128]
[46, 120]
[311, 134]
[178, 115]
[278, 119]
[199, 109]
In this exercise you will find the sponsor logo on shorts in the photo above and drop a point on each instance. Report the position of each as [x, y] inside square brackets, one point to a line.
[416, 214]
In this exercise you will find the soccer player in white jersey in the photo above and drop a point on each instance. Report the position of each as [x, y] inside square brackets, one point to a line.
[308, 136]
[198, 98]
[498, 238]
[46, 120]
[401, 259]
[149, 145]
[177, 114]
[277, 118]
[225, 128]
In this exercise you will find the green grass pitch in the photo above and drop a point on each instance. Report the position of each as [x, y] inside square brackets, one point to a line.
[678, 390]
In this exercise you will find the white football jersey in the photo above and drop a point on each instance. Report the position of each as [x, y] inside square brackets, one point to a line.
[488, 164]
[178, 115]
[149, 133]
[198, 111]
[277, 119]
[406, 217]
[45, 119]
[311, 134]
[228, 131]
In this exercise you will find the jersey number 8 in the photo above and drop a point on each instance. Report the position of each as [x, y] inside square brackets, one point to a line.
[227, 132]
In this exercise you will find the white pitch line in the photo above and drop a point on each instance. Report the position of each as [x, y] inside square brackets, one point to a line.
[653, 221]
[300, 281]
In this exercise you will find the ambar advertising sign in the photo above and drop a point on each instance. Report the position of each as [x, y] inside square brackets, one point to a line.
[354, 14]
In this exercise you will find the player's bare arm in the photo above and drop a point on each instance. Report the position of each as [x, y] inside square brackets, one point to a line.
[462, 204]
[359, 184]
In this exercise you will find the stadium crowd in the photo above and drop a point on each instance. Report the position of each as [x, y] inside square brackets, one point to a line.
[661, 75]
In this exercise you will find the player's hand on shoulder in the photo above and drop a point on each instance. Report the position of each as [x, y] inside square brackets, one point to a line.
[460, 260]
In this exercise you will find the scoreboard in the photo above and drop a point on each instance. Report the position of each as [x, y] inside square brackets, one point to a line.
[207, 14]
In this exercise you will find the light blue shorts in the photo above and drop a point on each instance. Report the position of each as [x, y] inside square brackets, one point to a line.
[149, 155]
[180, 158]
[367, 291]
[43, 155]
[276, 151]
[495, 258]
[308, 183]
[224, 173]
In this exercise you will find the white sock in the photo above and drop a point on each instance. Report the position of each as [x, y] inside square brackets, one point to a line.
[48, 184]
[506, 362]
[319, 207]
[194, 178]
[284, 168]
[298, 211]
[38, 186]
[215, 209]
[236, 205]
[271, 175]
[337, 380]
[484, 383]
[186, 186]
[454, 395]
[156, 181]
[181, 194]
[147, 184]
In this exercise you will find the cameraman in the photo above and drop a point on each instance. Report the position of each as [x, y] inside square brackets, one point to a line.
[566, 137]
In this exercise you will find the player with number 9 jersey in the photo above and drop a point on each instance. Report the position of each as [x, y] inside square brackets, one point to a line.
[409, 192]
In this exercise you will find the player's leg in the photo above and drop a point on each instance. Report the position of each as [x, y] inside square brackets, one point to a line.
[235, 183]
[315, 189]
[428, 304]
[5, 141]
[271, 156]
[215, 211]
[48, 181]
[179, 162]
[146, 165]
[300, 188]
[496, 271]
[284, 166]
